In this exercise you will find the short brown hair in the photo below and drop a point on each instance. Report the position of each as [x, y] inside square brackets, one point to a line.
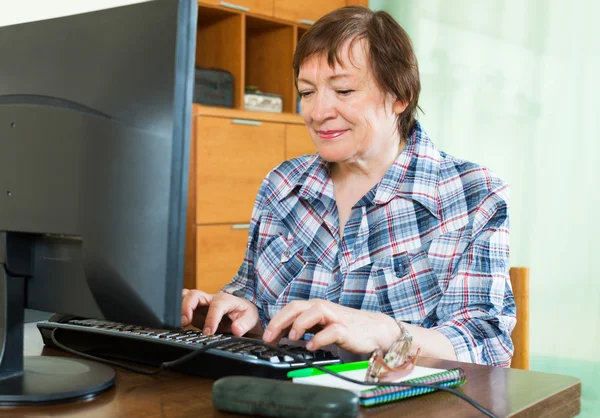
[391, 54]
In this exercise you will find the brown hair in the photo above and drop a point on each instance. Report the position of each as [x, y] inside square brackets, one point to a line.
[391, 55]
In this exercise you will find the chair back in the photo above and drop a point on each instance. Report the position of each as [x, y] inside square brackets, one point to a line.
[519, 279]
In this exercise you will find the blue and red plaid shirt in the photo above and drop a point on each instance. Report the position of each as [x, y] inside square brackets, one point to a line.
[428, 245]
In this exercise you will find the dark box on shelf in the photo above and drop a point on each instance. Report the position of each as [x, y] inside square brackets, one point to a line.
[213, 87]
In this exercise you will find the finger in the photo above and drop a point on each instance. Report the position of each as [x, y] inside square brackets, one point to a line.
[331, 334]
[284, 319]
[275, 339]
[221, 305]
[309, 319]
[190, 302]
[244, 323]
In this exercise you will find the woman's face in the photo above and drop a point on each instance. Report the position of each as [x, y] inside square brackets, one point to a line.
[348, 116]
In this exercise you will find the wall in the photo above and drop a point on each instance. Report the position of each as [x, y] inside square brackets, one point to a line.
[514, 85]
[19, 11]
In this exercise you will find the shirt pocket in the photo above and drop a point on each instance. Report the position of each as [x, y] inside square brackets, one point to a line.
[278, 264]
[407, 287]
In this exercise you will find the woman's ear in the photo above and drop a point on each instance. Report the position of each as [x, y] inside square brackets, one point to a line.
[398, 107]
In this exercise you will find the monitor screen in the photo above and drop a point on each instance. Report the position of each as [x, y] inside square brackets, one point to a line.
[95, 116]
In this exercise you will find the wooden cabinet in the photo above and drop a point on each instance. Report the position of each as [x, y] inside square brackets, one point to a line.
[220, 251]
[230, 158]
[306, 11]
[233, 157]
[232, 149]
[298, 142]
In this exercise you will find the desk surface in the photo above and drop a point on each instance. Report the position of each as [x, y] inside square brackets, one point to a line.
[506, 392]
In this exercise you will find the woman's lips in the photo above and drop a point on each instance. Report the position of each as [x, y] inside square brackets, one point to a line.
[329, 135]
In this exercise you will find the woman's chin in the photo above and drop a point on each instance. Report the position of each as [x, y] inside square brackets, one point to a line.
[332, 155]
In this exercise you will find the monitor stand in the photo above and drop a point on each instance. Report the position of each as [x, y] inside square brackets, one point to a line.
[37, 380]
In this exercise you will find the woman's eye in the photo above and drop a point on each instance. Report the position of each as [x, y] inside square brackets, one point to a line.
[344, 92]
[305, 93]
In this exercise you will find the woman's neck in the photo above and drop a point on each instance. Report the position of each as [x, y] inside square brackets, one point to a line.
[367, 169]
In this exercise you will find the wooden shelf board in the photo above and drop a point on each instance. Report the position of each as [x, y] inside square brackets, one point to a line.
[226, 10]
[222, 112]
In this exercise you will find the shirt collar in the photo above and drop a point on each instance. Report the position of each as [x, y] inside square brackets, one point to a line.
[315, 182]
[414, 175]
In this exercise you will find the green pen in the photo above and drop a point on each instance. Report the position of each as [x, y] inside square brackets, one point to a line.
[338, 368]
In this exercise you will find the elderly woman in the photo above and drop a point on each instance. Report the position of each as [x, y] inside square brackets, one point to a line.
[379, 236]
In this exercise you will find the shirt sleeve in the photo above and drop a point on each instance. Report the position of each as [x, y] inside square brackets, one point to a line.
[243, 284]
[477, 311]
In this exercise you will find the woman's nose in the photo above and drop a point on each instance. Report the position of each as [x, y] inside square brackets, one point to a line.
[322, 108]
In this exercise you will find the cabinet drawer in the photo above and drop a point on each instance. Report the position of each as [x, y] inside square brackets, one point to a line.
[298, 142]
[261, 7]
[232, 158]
[307, 11]
[220, 251]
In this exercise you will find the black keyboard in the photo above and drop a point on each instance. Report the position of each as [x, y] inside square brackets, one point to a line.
[230, 356]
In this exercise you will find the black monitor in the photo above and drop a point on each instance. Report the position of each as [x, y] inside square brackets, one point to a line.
[95, 113]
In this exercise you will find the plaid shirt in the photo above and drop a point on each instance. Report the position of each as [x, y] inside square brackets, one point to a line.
[428, 245]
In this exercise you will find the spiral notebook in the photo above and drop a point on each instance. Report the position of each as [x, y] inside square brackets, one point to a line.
[375, 395]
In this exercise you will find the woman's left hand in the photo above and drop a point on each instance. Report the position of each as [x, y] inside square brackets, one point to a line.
[351, 329]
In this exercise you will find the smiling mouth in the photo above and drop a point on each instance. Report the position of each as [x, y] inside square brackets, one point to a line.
[328, 135]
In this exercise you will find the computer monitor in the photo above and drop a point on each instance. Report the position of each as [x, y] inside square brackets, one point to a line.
[95, 113]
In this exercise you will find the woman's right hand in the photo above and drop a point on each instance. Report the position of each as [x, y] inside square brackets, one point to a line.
[220, 312]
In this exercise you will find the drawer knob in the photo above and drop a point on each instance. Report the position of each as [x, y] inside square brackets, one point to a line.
[246, 122]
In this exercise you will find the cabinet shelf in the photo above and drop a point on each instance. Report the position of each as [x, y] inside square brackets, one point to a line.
[269, 52]
[256, 49]
[223, 112]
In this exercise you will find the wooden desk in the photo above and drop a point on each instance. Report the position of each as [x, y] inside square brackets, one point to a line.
[506, 392]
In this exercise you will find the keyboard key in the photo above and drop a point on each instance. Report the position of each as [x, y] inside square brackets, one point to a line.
[258, 351]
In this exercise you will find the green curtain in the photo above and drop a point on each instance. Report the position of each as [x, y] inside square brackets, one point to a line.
[515, 85]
